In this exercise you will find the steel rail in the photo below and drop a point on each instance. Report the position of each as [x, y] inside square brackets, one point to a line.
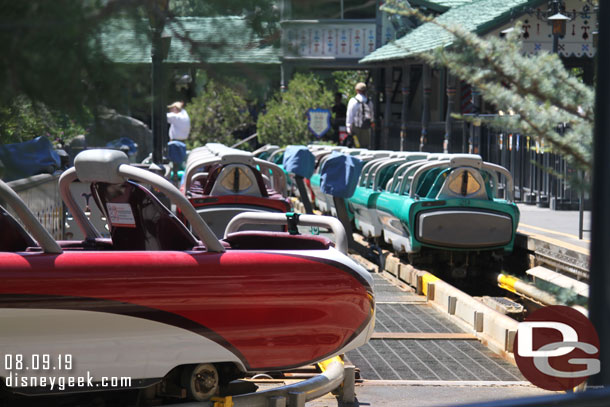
[292, 395]
[334, 224]
[39, 233]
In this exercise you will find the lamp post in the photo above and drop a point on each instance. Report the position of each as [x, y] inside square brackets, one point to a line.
[558, 23]
[157, 10]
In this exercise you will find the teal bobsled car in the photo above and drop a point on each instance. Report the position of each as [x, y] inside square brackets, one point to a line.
[450, 203]
[373, 181]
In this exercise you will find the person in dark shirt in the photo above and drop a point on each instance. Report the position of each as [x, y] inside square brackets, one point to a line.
[339, 111]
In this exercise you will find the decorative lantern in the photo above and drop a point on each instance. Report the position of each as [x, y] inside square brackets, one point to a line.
[559, 24]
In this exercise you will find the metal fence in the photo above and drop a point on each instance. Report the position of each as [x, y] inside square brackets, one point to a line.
[541, 176]
[41, 194]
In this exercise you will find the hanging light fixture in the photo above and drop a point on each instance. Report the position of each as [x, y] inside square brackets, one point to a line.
[559, 22]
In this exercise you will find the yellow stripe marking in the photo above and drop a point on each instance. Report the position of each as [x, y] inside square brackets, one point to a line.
[324, 364]
[427, 279]
[552, 232]
[507, 282]
[556, 242]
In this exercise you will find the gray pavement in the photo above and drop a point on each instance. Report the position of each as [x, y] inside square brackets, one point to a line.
[557, 225]
[430, 372]
[372, 394]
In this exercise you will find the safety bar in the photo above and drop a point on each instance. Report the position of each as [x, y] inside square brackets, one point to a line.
[408, 169]
[67, 178]
[510, 184]
[266, 167]
[492, 168]
[275, 153]
[246, 218]
[376, 176]
[39, 233]
[377, 162]
[112, 167]
[278, 175]
[267, 148]
[202, 230]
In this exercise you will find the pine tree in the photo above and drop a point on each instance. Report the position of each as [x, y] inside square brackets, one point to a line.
[538, 88]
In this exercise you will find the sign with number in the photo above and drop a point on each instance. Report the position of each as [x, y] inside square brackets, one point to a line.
[318, 121]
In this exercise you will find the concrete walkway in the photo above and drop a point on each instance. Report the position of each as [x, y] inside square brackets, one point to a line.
[558, 225]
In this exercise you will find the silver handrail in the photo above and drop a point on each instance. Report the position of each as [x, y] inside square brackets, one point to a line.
[112, 167]
[39, 233]
[266, 167]
[333, 224]
[294, 395]
[85, 225]
[510, 183]
[202, 230]
[492, 168]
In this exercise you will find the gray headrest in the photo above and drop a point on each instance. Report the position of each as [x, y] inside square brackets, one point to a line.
[100, 166]
[238, 157]
[466, 160]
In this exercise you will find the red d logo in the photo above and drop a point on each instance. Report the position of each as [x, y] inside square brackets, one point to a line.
[557, 348]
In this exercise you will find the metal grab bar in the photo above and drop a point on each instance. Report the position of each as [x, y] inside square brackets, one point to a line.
[492, 168]
[294, 395]
[334, 224]
[85, 225]
[202, 230]
[39, 233]
[112, 167]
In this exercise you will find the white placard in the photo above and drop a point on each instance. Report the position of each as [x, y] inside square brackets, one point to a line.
[120, 215]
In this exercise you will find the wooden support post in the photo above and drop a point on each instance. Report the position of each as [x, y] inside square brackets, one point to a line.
[451, 91]
[404, 116]
[388, 107]
[425, 118]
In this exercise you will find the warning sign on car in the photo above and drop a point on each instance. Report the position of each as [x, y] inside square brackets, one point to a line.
[120, 215]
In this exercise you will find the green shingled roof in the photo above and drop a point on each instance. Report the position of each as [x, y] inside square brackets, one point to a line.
[477, 16]
[211, 40]
[440, 5]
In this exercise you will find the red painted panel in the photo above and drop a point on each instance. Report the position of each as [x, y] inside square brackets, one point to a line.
[276, 310]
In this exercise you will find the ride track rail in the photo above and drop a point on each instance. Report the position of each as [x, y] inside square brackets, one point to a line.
[493, 329]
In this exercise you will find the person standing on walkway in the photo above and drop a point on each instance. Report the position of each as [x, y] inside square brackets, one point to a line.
[179, 129]
[179, 122]
[360, 117]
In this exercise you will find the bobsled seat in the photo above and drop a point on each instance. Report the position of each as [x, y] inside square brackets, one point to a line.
[13, 237]
[138, 221]
[238, 179]
[276, 241]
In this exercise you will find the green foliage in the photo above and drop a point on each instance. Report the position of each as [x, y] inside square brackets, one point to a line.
[346, 80]
[50, 50]
[23, 120]
[285, 121]
[538, 88]
[48, 53]
[218, 115]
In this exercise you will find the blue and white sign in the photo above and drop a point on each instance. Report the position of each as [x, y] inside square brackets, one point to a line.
[318, 121]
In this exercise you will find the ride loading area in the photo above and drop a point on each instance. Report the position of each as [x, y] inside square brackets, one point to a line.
[310, 275]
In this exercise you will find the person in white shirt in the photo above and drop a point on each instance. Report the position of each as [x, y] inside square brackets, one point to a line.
[359, 118]
[179, 122]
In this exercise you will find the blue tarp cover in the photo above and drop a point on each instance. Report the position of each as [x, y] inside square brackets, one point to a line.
[339, 175]
[176, 151]
[124, 142]
[299, 161]
[29, 158]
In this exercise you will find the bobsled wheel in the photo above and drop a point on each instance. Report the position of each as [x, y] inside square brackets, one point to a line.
[200, 381]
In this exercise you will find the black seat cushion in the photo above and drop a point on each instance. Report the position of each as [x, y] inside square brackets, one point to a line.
[276, 241]
[13, 238]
